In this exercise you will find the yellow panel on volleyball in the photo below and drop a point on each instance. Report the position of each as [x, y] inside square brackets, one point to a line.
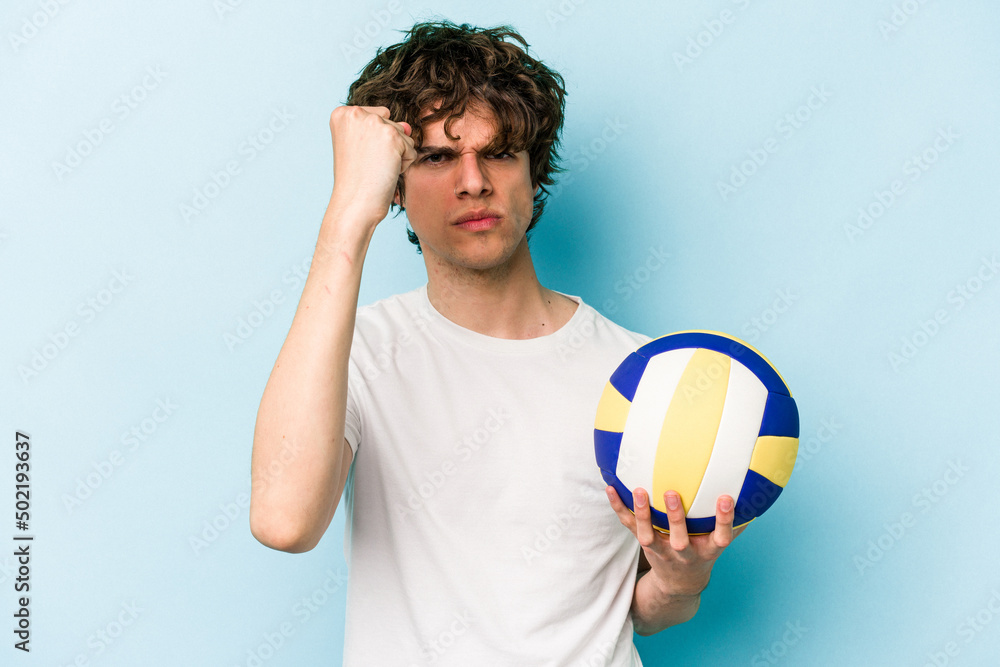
[774, 457]
[612, 410]
[690, 427]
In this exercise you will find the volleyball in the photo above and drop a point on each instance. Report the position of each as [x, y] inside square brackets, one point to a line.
[701, 413]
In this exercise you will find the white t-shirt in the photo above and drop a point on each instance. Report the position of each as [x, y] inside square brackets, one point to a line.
[478, 530]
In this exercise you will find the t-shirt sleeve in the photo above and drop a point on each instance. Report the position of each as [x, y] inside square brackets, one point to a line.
[352, 418]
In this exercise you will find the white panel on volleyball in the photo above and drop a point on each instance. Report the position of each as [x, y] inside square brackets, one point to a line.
[734, 443]
[637, 454]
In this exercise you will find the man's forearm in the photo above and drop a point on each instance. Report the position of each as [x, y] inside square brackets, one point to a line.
[298, 445]
[655, 608]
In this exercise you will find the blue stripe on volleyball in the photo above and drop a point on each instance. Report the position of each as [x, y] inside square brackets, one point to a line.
[658, 518]
[695, 526]
[607, 444]
[702, 525]
[756, 496]
[612, 479]
[781, 416]
[626, 378]
[741, 353]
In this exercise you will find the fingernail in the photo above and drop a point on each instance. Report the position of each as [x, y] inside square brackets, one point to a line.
[726, 504]
[673, 502]
[640, 500]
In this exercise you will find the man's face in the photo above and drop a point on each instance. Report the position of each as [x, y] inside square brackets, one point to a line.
[452, 179]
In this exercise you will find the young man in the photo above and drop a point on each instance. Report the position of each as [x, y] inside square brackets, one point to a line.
[457, 418]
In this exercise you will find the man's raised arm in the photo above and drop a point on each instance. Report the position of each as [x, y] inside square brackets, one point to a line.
[300, 457]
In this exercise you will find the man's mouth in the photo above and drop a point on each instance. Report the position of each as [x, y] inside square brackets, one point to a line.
[478, 220]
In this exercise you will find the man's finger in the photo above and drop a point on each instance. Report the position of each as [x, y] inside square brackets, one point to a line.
[723, 534]
[643, 521]
[675, 517]
[409, 156]
[619, 507]
[378, 111]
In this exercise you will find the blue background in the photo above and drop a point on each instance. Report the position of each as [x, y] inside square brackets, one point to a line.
[875, 553]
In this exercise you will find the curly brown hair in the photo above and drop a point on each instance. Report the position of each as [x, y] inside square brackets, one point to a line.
[461, 65]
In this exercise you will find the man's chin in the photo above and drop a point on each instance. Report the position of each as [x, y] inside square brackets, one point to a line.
[488, 259]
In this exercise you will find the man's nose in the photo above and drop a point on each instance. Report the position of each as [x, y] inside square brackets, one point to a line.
[471, 178]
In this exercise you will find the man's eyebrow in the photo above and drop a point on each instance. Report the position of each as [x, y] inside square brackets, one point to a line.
[423, 150]
[444, 150]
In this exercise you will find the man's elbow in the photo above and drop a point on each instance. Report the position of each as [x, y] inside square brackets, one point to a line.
[646, 627]
[280, 535]
[648, 631]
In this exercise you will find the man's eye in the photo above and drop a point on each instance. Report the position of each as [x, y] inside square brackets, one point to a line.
[496, 156]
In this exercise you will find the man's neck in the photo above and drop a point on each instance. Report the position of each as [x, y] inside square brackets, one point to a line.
[506, 301]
